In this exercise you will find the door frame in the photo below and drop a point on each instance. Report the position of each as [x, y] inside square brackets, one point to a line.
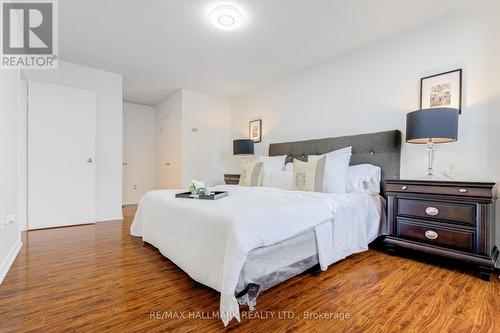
[22, 148]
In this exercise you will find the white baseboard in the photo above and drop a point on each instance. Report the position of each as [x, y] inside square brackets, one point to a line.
[11, 256]
[109, 218]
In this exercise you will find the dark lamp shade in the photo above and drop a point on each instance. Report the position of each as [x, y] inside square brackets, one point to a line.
[243, 147]
[437, 125]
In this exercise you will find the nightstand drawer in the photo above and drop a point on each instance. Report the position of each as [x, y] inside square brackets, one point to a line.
[455, 213]
[232, 179]
[475, 190]
[450, 238]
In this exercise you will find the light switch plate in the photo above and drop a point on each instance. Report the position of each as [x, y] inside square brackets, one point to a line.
[9, 219]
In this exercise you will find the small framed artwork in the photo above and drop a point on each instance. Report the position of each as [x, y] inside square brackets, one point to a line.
[442, 91]
[255, 130]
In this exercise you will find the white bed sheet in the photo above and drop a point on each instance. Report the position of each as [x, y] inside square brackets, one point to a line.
[266, 260]
[211, 240]
[269, 266]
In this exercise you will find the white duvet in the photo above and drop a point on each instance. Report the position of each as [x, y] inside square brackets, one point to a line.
[210, 240]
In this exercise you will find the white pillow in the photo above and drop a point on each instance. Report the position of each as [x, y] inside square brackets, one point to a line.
[270, 164]
[337, 164]
[278, 179]
[273, 163]
[289, 165]
[363, 178]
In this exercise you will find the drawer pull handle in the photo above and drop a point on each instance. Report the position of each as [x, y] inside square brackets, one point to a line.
[404, 187]
[431, 234]
[462, 190]
[431, 211]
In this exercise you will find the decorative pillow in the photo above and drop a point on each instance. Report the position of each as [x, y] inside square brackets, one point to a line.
[250, 175]
[278, 179]
[289, 165]
[337, 164]
[308, 176]
[363, 178]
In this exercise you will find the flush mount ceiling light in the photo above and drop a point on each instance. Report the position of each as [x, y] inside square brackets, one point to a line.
[226, 17]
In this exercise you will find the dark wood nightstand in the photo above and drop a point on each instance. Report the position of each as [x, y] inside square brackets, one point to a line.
[232, 179]
[451, 219]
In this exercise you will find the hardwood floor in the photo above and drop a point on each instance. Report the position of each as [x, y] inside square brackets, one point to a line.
[98, 278]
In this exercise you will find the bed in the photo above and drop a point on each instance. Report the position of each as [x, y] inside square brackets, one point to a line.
[258, 237]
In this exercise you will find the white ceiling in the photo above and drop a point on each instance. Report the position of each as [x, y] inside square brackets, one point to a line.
[163, 45]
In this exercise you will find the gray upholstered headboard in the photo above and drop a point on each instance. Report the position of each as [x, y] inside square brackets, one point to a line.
[382, 149]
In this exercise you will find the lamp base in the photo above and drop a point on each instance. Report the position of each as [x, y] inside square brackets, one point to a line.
[433, 175]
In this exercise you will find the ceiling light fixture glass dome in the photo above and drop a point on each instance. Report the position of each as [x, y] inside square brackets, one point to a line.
[226, 17]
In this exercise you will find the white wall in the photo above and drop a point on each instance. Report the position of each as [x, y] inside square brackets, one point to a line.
[10, 240]
[372, 90]
[139, 151]
[170, 177]
[206, 137]
[108, 87]
[201, 139]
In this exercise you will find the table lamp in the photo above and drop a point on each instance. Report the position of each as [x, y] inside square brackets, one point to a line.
[243, 147]
[430, 127]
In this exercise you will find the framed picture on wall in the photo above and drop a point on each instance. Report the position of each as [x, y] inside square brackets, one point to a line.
[442, 91]
[255, 130]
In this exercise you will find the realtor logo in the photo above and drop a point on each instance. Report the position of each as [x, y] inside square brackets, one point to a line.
[29, 34]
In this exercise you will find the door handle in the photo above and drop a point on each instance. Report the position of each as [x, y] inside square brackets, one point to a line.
[167, 164]
[90, 160]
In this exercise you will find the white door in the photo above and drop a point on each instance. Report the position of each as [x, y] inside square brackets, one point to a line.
[165, 152]
[138, 152]
[61, 155]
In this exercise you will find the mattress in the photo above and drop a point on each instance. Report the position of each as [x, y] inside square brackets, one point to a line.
[268, 266]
